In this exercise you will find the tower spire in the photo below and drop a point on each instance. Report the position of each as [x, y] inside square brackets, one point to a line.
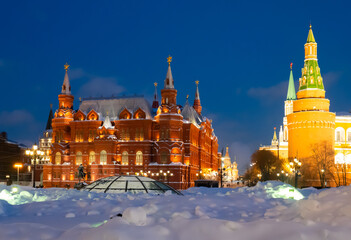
[311, 78]
[197, 104]
[48, 123]
[310, 37]
[291, 88]
[169, 82]
[155, 103]
[66, 87]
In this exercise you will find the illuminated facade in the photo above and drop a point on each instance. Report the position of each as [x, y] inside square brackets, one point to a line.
[307, 120]
[230, 172]
[127, 135]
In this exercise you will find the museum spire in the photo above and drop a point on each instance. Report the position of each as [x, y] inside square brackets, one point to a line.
[66, 87]
[197, 104]
[169, 82]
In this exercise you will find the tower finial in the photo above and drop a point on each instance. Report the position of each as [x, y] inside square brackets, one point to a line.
[66, 66]
[197, 82]
[187, 97]
[155, 84]
[169, 59]
[291, 65]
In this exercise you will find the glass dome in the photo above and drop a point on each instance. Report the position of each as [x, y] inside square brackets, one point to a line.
[131, 184]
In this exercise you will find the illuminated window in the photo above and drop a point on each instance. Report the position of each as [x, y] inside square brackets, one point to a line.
[137, 134]
[348, 135]
[58, 158]
[340, 134]
[141, 134]
[79, 158]
[164, 158]
[103, 157]
[91, 157]
[123, 134]
[139, 158]
[125, 158]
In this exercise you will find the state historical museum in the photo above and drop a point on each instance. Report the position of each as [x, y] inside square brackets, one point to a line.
[128, 136]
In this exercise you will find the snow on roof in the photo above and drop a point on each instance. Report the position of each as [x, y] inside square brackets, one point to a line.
[113, 106]
[189, 114]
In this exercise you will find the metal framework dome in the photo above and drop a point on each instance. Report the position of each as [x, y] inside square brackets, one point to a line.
[130, 184]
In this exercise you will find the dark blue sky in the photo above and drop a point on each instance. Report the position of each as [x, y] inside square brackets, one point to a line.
[240, 52]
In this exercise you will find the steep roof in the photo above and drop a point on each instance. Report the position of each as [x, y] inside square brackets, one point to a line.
[113, 106]
[291, 88]
[310, 37]
[48, 123]
[190, 114]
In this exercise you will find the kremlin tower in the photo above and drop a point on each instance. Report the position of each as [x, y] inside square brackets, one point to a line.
[310, 121]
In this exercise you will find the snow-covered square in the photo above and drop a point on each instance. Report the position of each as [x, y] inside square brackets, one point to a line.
[270, 210]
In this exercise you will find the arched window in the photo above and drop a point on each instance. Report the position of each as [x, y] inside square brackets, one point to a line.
[339, 134]
[91, 157]
[103, 157]
[125, 158]
[139, 158]
[164, 158]
[58, 158]
[79, 158]
[348, 135]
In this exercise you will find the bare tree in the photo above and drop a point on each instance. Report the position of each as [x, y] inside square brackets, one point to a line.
[323, 162]
[267, 164]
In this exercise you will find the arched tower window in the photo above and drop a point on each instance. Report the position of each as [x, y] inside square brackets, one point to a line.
[91, 157]
[139, 158]
[79, 158]
[103, 157]
[58, 158]
[125, 158]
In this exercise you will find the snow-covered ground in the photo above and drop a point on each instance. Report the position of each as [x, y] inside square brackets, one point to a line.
[269, 210]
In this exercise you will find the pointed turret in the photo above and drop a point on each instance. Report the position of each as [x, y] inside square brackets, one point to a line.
[275, 139]
[310, 37]
[66, 98]
[197, 104]
[66, 87]
[155, 103]
[48, 123]
[311, 77]
[169, 93]
[169, 82]
[291, 89]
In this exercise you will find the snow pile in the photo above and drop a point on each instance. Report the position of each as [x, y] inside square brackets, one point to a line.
[267, 211]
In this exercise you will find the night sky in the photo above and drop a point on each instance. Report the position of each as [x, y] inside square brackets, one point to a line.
[240, 51]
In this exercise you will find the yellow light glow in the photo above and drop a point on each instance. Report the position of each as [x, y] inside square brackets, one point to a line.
[18, 165]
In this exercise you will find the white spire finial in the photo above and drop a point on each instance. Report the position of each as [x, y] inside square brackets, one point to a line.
[66, 87]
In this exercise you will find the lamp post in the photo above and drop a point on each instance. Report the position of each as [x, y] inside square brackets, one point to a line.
[295, 165]
[323, 178]
[36, 154]
[18, 166]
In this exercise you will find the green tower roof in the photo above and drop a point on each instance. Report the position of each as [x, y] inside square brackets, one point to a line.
[310, 37]
[291, 88]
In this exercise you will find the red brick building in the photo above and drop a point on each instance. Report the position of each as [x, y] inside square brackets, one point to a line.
[127, 135]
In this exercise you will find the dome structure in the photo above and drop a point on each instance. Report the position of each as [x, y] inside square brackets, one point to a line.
[130, 184]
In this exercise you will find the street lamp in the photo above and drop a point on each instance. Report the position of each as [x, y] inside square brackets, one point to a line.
[323, 178]
[18, 166]
[36, 154]
[295, 166]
